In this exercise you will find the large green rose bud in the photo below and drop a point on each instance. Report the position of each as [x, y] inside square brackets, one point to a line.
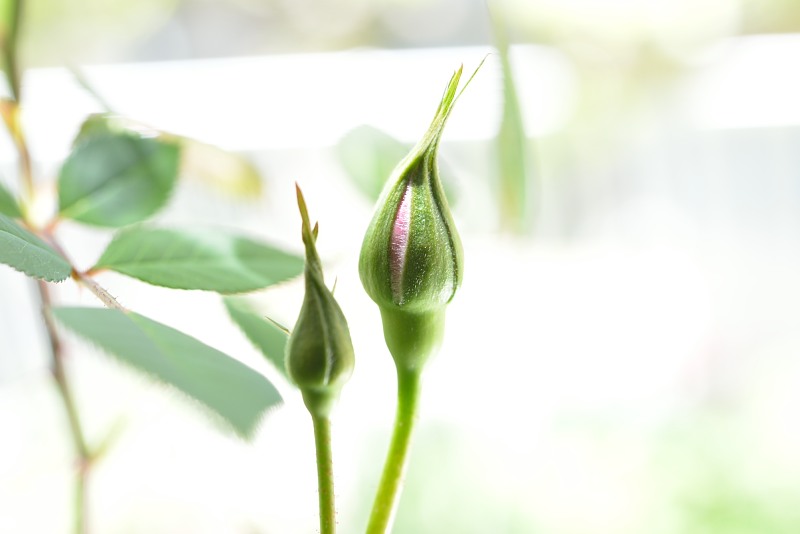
[319, 353]
[411, 261]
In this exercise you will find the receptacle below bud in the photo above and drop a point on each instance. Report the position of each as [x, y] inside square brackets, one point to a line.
[319, 354]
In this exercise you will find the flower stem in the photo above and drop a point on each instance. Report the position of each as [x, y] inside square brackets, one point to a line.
[13, 16]
[327, 507]
[388, 497]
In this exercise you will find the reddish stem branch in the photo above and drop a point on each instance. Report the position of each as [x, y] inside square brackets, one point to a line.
[108, 300]
[59, 375]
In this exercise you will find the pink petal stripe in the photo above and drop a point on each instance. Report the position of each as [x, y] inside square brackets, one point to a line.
[399, 244]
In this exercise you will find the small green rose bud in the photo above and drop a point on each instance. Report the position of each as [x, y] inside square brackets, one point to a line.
[411, 261]
[319, 353]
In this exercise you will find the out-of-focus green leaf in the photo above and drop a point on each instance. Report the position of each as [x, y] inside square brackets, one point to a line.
[10, 17]
[512, 157]
[225, 171]
[264, 334]
[111, 124]
[229, 388]
[8, 204]
[100, 125]
[28, 254]
[195, 259]
[114, 179]
[369, 155]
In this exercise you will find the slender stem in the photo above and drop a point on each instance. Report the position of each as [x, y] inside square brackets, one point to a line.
[80, 520]
[68, 401]
[388, 496]
[27, 169]
[57, 361]
[99, 291]
[10, 111]
[10, 40]
[322, 442]
[85, 455]
[84, 278]
[84, 82]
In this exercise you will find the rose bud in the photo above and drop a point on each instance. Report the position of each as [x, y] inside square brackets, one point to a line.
[319, 353]
[411, 260]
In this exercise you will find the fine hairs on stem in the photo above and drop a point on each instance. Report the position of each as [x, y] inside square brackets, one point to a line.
[387, 498]
[327, 506]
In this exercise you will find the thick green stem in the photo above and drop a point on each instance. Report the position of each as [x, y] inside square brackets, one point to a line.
[327, 506]
[13, 16]
[386, 500]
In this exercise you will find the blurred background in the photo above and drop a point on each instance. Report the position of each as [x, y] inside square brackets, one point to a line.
[624, 354]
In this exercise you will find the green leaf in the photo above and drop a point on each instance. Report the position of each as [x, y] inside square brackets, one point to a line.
[99, 125]
[511, 144]
[117, 178]
[369, 155]
[198, 259]
[28, 254]
[8, 204]
[264, 334]
[229, 388]
[225, 171]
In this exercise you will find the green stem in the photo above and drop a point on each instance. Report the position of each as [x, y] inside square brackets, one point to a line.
[11, 38]
[388, 496]
[327, 507]
[11, 118]
[80, 523]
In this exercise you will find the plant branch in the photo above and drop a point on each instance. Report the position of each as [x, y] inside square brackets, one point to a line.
[327, 507]
[10, 111]
[9, 45]
[84, 278]
[59, 374]
[99, 291]
[387, 498]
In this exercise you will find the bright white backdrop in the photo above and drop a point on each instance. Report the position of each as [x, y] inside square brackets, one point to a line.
[586, 385]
